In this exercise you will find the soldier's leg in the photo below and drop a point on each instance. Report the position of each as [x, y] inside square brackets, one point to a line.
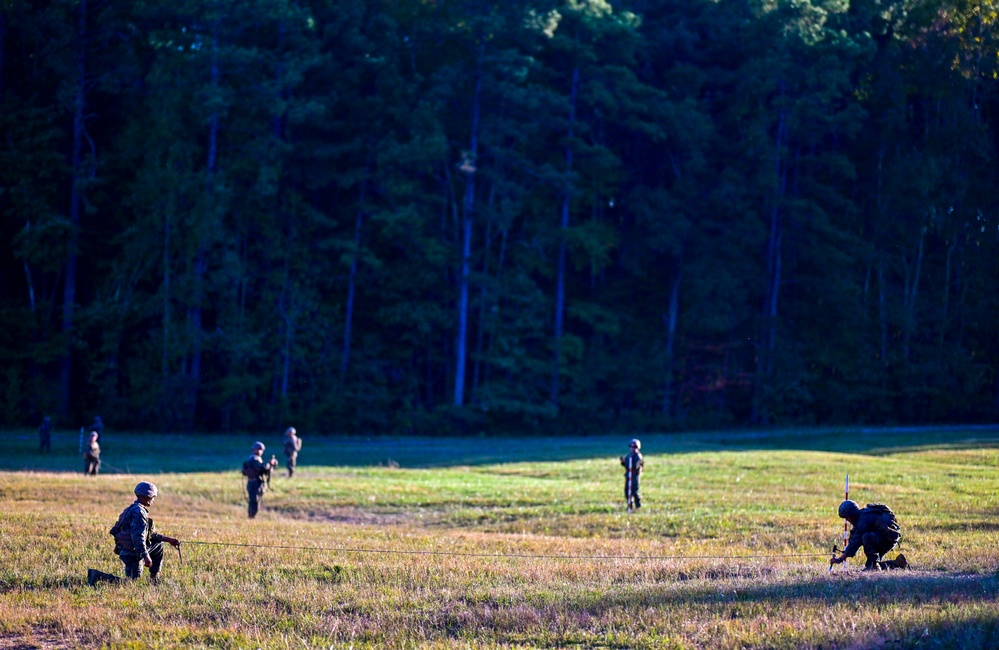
[133, 566]
[253, 505]
[635, 493]
[94, 576]
[873, 545]
[156, 555]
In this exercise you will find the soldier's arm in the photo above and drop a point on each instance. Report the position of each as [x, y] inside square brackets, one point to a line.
[854, 544]
[137, 529]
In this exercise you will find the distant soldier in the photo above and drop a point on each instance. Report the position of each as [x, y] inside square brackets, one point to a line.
[876, 529]
[45, 436]
[258, 474]
[633, 465]
[135, 542]
[292, 445]
[92, 456]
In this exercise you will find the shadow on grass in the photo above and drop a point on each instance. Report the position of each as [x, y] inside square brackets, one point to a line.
[145, 453]
[860, 590]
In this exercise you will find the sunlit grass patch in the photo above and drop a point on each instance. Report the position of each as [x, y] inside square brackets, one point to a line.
[731, 551]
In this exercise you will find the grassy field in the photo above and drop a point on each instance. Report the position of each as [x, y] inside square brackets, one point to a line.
[513, 542]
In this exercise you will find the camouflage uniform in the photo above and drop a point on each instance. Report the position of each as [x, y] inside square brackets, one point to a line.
[92, 458]
[256, 472]
[877, 531]
[637, 465]
[134, 539]
[292, 445]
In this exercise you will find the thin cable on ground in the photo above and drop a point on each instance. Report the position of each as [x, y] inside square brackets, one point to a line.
[343, 549]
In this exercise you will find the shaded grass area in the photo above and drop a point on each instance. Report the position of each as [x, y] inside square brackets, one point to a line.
[143, 452]
[731, 552]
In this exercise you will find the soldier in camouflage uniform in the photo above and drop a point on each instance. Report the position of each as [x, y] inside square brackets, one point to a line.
[135, 542]
[92, 456]
[633, 463]
[257, 473]
[876, 530]
[292, 445]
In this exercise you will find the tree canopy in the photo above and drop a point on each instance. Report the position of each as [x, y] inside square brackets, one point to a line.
[457, 216]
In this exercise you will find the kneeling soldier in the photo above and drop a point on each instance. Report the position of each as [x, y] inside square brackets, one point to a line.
[876, 529]
[135, 542]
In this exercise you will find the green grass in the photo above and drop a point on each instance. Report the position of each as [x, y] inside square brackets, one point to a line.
[516, 542]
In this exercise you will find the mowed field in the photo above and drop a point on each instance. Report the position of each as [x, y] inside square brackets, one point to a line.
[507, 543]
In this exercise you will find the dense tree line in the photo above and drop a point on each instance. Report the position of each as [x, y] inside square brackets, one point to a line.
[464, 215]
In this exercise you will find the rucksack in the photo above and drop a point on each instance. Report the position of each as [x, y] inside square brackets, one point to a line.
[886, 521]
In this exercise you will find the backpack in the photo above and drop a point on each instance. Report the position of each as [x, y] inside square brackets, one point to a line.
[886, 522]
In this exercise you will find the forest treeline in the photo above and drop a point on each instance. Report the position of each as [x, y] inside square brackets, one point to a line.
[474, 215]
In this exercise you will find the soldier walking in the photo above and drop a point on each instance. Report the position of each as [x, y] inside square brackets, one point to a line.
[135, 541]
[876, 530]
[92, 456]
[633, 465]
[292, 445]
[258, 474]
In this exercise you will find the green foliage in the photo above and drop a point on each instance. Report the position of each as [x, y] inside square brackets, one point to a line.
[773, 212]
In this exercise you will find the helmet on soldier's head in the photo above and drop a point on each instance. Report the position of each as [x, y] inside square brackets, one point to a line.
[848, 509]
[258, 445]
[290, 432]
[146, 489]
[636, 443]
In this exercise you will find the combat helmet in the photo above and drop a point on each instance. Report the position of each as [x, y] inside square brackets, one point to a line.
[146, 489]
[636, 443]
[258, 445]
[848, 509]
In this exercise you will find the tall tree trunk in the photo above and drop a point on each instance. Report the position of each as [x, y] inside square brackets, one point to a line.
[768, 336]
[467, 214]
[883, 323]
[563, 228]
[670, 320]
[201, 257]
[348, 323]
[165, 358]
[911, 292]
[75, 203]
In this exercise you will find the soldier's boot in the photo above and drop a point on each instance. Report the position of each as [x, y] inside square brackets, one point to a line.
[873, 563]
[94, 576]
[898, 563]
[154, 578]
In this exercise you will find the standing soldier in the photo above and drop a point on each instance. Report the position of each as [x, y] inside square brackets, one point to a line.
[134, 540]
[45, 436]
[292, 445]
[633, 465]
[258, 474]
[92, 456]
[876, 530]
